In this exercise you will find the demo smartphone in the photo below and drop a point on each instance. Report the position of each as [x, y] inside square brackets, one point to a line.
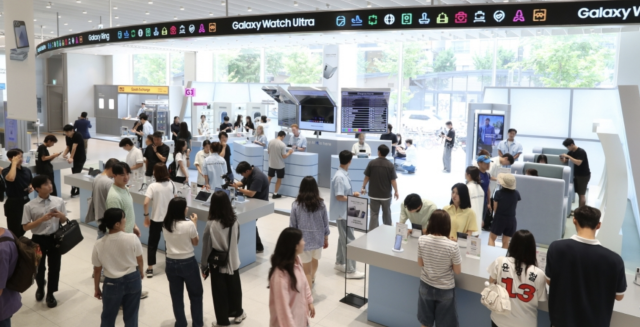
[20, 30]
[398, 244]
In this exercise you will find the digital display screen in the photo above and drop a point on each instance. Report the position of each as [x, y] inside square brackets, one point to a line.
[287, 108]
[490, 131]
[316, 111]
[365, 111]
[22, 38]
[501, 15]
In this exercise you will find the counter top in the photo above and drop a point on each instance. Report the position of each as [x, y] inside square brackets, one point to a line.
[58, 163]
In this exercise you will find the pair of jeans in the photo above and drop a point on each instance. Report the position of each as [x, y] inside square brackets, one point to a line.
[124, 291]
[155, 230]
[446, 158]
[227, 295]
[181, 272]
[409, 168]
[6, 322]
[375, 212]
[437, 306]
[13, 209]
[52, 257]
[345, 236]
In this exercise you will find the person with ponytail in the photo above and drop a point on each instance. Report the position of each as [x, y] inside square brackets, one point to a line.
[119, 254]
[476, 193]
[290, 300]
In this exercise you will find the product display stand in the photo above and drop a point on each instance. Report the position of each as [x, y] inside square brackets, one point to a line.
[351, 299]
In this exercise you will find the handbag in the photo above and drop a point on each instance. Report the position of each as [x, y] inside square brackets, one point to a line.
[495, 297]
[67, 237]
[220, 258]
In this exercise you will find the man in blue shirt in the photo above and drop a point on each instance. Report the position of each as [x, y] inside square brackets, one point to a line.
[340, 189]
[82, 126]
[298, 141]
[509, 146]
[487, 135]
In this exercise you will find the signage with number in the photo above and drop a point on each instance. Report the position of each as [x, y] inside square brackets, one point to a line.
[189, 92]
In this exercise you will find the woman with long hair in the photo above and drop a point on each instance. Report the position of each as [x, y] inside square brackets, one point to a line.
[309, 214]
[264, 122]
[160, 193]
[185, 134]
[261, 139]
[290, 300]
[119, 254]
[476, 193]
[505, 203]
[248, 126]
[181, 157]
[181, 235]
[518, 272]
[200, 158]
[221, 234]
[463, 218]
[542, 159]
[238, 124]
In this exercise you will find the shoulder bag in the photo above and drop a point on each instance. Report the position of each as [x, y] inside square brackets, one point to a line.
[220, 258]
[68, 236]
[495, 297]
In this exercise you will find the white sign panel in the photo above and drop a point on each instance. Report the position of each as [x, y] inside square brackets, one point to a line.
[473, 247]
[357, 212]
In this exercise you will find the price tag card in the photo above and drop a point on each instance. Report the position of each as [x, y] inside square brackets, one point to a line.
[541, 256]
[474, 246]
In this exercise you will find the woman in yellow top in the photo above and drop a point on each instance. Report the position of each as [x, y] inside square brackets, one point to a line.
[463, 218]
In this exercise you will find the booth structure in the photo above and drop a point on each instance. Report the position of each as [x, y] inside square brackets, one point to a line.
[297, 166]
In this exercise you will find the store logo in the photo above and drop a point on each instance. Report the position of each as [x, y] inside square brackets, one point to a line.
[119, 35]
[341, 21]
[519, 17]
[442, 18]
[389, 19]
[164, 31]
[212, 27]
[406, 19]
[192, 28]
[424, 20]
[201, 30]
[479, 17]
[356, 21]
[140, 33]
[147, 32]
[608, 13]
[94, 38]
[126, 34]
[155, 32]
[373, 20]
[182, 30]
[173, 30]
[460, 17]
[499, 16]
[539, 15]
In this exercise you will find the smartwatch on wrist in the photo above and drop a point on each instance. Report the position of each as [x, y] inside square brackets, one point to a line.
[146, 215]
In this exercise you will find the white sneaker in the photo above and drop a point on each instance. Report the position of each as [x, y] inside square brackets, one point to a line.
[355, 275]
[238, 320]
[339, 267]
[144, 295]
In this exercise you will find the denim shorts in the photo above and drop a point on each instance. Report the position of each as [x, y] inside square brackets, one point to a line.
[437, 306]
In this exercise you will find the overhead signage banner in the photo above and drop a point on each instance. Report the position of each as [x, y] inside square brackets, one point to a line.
[506, 15]
[144, 89]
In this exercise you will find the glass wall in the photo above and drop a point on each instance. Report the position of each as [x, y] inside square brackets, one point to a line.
[150, 69]
[177, 68]
[299, 65]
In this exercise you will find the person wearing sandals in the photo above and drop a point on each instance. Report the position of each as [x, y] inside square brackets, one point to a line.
[221, 234]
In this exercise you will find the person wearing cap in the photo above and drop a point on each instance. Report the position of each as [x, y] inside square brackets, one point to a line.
[449, 137]
[510, 146]
[484, 163]
[504, 210]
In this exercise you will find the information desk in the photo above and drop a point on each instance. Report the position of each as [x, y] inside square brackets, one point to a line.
[356, 170]
[249, 152]
[196, 145]
[246, 212]
[394, 281]
[57, 163]
[297, 166]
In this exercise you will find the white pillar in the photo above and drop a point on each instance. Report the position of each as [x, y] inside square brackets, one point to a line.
[189, 66]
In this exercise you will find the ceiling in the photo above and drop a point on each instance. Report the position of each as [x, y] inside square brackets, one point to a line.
[82, 15]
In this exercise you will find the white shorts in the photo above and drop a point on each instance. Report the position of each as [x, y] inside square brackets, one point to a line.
[306, 256]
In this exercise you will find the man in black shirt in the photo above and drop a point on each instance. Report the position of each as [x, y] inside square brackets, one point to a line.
[257, 187]
[449, 141]
[581, 172]
[226, 126]
[43, 162]
[78, 154]
[226, 152]
[584, 277]
[157, 153]
[18, 186]
[392, 137]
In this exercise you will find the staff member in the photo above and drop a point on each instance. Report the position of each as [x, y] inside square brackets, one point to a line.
[203, 127]
[147, 129]
[257, 187]
[510, 146]
[450, 138]
[43, 163]
[82, 125]
[18, 186]
[43, 216]
[226, 152]
[417, 210]
[143, 107]
[298, 142]
[226, 126]
[78, 154]
[391, 137]
[361, 146]
[157, 153]
[581, 171]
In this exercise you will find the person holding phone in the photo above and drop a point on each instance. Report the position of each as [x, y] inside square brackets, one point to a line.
[77, 153]
[18, 187]
[43, 163]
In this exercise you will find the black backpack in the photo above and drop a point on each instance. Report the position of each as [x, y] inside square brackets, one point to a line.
[27, 265]
[173, 171]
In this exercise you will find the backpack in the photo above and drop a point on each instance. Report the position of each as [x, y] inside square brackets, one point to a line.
[3, 187]
[27, 265]
[496, 298]
[173, 171]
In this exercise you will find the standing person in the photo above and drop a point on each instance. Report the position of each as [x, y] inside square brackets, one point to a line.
[203, 127]
[147, 128]
[382, 175]
[340, 189]
[137, 127]
[10, 300]
[134, 159]
[309, 214]
[391, 137]
[99, 192]
[418, 211]
[226, 126]
[175, 128]
[449, 141]
[487, 135]
[181, 235]
[484, 163]
[158, 152]
[226, 152]
[43, 216]
[277, 152]
[440, 259]
[298, 141]
[411, 153]
[476, 194]
[77, 153]
[185, 134]
[581, 268]
[290, 299]
[495, 168]
[82, 126]
[581, 171]
[160, 193]
[248, 126]
[260, 138]
[214, 168]
[200, 158]
[43, 162]
[399, 148]
[505, 202]
[463, 219]
[143, 108]
[510, 146]
[222, 233]
[18, 186]
[119, 256]
[361, 145]
[238, 125]
[264, 122]
[257, 185]
[525, 282]
[181, 157]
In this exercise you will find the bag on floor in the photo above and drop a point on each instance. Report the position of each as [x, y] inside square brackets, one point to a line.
[27, 266]
[68, 236]
[495, 297]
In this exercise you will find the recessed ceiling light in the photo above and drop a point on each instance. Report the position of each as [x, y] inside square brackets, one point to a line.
[59, 16]
[222, 3]
[65, 24]
[49, 5]
[84, 12]
[70, 30]
[150, 2]
[295, 3]
[175, 17]
[116, 17]
[210, 14]
[115, 7]
[117, 24]
[89, 20]
[181, 8]
[146, 13]
[144, 21]
[51, 32]
[78, 1]
[35, 20]
[248, 8]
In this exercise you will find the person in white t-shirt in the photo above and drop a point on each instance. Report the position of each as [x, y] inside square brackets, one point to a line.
[203, 127]
[476, 193]
[361, 146]
[498, 165]
[524, 281]
[160, 193]
[120, 255]
[135, 159]
[181, 157]
[200, 158]
[182, 269]
[411, 154]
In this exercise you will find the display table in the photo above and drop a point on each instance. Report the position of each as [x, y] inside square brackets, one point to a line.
[57, 163]
[394, 280]
[249, 152]
[247, 213]
[356, 170]
[196, 145]
[297, 166]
